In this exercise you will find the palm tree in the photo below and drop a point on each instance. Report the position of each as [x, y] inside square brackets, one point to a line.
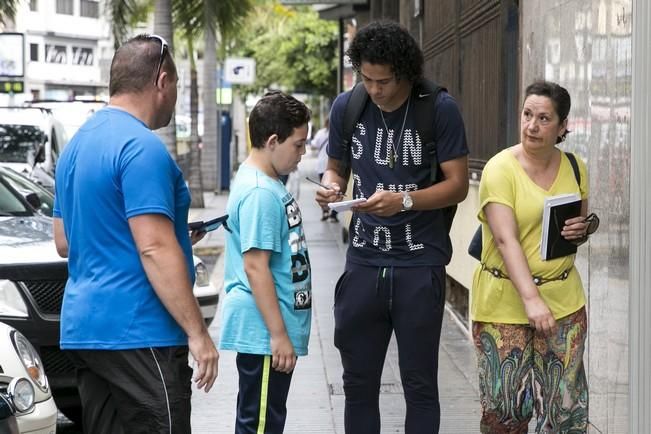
[8, 11]
[124, 15]
[191, 18]
[163, 27]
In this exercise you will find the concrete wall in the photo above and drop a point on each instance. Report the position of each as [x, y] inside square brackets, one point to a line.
[586, 47]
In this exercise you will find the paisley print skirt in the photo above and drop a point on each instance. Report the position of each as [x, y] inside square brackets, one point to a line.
[521, 371]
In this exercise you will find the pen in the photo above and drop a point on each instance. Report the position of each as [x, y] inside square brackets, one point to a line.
[322, 185]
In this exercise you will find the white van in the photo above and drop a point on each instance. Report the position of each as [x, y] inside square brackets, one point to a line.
[31, 139]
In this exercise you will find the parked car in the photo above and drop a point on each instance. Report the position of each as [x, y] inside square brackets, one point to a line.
[8, 422]
[31, 139]
[32, 280]
[25, 385]
[41, 199]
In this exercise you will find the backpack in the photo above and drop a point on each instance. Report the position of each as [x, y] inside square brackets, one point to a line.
[424, 94]
[475, 246]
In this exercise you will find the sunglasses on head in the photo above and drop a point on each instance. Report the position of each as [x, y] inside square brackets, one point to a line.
[164, 48]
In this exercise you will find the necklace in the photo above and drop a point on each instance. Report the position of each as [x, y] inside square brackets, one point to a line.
[393, 149]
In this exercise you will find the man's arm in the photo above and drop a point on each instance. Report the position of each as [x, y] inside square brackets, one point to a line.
[60, 240]
[166, 269]
[451, 190]
[256, 266]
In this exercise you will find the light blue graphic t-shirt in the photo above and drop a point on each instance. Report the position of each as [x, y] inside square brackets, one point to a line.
[264, 215]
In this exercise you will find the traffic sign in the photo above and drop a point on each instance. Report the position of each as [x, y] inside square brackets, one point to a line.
[239, 70]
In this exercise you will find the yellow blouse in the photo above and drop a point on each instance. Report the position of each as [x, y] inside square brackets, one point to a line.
[494, 299]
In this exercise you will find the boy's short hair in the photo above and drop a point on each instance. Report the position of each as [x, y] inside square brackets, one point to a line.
[276, 113]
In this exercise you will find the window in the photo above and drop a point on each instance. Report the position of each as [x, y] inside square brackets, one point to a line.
[56, 53]
[33, 52]
[89, 8]
[65, 7]
[33, 5]
[82, 56]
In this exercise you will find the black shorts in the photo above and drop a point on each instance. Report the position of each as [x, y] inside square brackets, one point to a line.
[137, 391]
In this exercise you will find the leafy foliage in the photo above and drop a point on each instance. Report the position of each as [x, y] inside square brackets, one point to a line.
[8, 10]
[294, 50]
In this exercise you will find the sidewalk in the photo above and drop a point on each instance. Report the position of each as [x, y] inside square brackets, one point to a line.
[316, 400]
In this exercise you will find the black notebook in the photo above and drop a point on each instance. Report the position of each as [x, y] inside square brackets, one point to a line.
[557, 210]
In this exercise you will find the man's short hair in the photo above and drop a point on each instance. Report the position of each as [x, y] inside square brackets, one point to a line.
[387, 43]
[135, 63]
[276, 113]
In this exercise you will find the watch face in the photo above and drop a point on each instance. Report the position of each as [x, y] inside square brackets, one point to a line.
[407, 202]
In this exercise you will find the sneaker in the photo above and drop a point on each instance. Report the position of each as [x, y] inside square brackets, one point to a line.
[325, 215]
[334, 218]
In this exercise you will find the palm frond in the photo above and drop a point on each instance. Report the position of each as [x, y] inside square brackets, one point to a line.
[8, 10]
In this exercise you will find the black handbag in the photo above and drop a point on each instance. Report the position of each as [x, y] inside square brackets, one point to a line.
[474, 248]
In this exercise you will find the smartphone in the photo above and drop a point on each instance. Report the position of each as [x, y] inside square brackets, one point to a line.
[209, 225]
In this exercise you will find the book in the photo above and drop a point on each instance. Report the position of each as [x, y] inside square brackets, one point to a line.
[557, 209]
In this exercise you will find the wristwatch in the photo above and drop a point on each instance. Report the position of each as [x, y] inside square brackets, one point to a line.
[407, 201]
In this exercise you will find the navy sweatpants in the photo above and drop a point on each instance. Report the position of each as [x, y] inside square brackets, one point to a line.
[262, 396]
[370, 303]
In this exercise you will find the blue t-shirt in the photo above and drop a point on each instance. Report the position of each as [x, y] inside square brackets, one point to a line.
[264, 215]
[412, 238]
[113, 169]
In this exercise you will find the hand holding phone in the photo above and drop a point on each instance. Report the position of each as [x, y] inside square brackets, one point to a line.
[209, 225]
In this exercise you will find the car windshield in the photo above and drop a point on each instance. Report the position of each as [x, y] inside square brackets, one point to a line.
[26, 186]
[17, 142]
[10, 204]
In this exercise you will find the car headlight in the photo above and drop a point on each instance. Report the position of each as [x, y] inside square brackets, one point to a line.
[21, 394]
[201, 275]
[11, 302]
[30, 359]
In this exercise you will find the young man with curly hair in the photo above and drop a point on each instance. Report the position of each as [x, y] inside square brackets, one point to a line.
[399, 235]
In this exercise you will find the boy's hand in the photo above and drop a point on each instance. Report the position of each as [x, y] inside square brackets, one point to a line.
[283, 358]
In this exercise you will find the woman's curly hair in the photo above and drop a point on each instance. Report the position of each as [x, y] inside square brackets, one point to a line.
[387, 43]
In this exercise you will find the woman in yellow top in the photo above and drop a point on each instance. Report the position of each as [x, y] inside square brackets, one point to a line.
[529, 319]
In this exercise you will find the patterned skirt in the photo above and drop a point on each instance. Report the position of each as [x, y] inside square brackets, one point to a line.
[521, 371]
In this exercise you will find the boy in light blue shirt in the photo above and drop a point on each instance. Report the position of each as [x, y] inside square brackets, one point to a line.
[267, 309]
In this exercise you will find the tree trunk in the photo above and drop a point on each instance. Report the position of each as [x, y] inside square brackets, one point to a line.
[209, 162]
[195, 181]
[163, 27]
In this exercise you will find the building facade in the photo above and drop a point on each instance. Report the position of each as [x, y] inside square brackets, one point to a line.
[67, 49]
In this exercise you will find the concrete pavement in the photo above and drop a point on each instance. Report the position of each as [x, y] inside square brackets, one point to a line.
[316, 399]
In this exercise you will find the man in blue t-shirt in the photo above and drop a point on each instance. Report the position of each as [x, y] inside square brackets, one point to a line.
[268, 305]
[129, 317]
[394, 278]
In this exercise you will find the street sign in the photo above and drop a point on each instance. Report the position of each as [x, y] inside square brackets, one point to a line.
[239, 70]
[12, 55]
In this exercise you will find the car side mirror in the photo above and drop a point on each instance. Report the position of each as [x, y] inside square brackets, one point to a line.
[39, 157]
[33, 200]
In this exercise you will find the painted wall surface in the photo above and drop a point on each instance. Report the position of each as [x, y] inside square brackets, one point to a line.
[586, 47]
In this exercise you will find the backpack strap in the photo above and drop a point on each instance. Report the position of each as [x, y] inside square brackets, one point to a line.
[575, 167]
[424, 94]
[353, 111]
